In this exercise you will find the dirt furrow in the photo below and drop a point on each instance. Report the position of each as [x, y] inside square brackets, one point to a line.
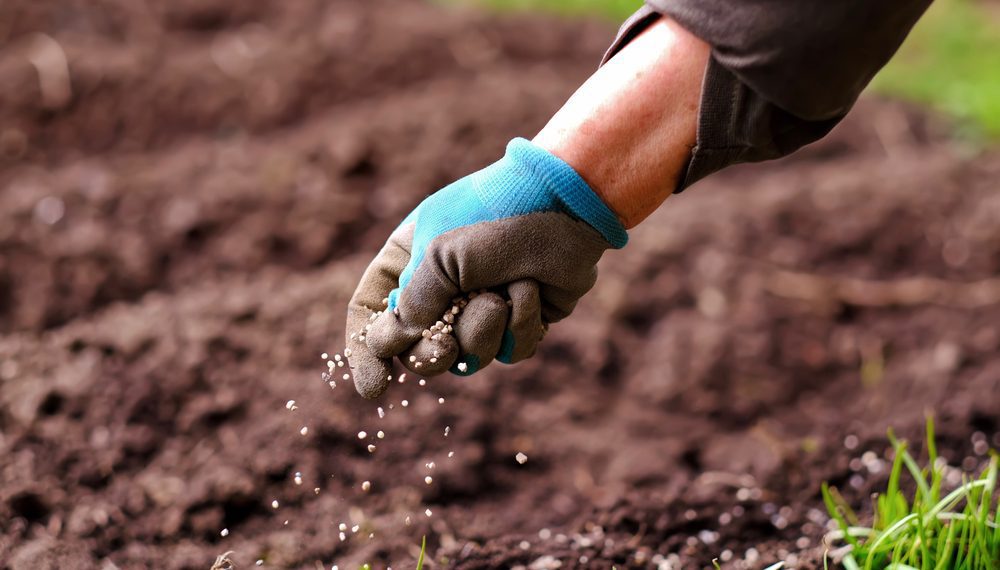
[128, 76]
[98, 230]
[178, 241]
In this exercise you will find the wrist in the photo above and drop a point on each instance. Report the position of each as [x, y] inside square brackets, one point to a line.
[553, 184]
[629, 130]
[599, 172]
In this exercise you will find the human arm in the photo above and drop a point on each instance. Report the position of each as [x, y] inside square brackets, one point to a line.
[629, 129]
[524, 234]
[529, 229]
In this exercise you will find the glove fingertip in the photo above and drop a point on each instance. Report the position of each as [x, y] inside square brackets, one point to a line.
[371, 375]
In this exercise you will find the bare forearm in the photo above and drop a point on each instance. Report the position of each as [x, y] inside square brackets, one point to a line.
[628, 131]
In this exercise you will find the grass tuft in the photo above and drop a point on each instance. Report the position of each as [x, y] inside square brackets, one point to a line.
[957, 531]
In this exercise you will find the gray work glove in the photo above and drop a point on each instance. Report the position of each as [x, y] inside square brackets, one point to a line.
[479, 270]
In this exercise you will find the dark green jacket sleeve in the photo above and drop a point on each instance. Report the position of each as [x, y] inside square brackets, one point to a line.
[782, 72]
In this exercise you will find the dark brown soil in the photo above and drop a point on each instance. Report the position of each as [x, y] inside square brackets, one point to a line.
[178, 241]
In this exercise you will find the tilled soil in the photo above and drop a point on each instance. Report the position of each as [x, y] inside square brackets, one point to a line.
[180, 236]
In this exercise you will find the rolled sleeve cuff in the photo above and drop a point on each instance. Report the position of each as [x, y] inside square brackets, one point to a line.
[735, 123]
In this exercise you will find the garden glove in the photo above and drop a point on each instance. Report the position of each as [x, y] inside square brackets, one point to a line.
[518, 240]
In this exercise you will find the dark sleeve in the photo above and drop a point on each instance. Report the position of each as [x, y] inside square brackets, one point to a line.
[782, 73]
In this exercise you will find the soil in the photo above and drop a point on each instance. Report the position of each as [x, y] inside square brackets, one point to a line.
[180, 236]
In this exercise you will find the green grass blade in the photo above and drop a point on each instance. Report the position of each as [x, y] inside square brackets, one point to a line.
[952, 499]
[889, 506]
[931, 442]
[996, 532]
[946, 556]
[890, 532]
[911, 464]
[923, 488]
[423, 550]
[963, 542]
[979, 512]
[833, 508]
[923, 544]
[988, 490]
[898, 547]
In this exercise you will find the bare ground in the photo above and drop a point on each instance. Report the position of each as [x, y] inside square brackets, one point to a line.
[179, 239]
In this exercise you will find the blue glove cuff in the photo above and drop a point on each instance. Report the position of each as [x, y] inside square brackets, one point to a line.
[525, 160]
[527, 180]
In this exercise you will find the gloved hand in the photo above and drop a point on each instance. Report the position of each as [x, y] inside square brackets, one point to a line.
[521, 238]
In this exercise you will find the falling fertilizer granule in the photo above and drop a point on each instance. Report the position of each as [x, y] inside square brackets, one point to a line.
[521, 458]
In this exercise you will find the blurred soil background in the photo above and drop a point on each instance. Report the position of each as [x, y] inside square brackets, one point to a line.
[189, 191]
